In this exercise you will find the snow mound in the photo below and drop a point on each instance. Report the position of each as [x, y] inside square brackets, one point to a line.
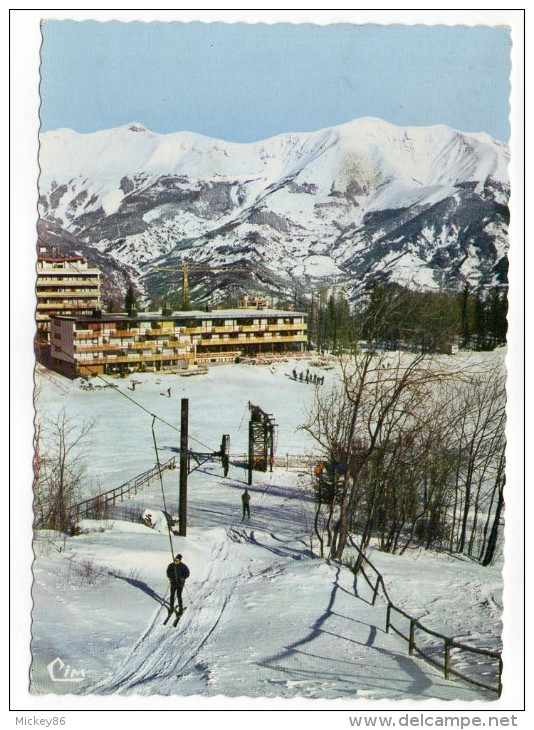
[87, 526]
[158, 520]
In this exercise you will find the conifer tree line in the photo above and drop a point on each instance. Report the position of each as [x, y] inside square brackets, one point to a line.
[430, 321]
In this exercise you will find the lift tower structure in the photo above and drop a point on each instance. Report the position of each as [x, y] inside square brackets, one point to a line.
[261, 430]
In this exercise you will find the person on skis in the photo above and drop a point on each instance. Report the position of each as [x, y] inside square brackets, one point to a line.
[177, 573]
[245, 498]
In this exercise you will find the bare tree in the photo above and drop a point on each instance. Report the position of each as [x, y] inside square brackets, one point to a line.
[58, 469]
[478, 412]
[374, 431]
[415, 446]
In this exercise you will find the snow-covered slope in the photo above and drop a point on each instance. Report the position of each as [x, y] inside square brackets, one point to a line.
[422, 205]
[266, 616]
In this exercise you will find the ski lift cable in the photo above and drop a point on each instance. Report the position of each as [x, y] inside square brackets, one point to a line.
[136, 403]
[242, 417]
[161, 485]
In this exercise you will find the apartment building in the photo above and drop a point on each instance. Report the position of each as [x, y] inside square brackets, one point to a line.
[254, 302]
[65, 286]
[226, 333]
[122, 343]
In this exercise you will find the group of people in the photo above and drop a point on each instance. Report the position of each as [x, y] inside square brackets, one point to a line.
[307, 377]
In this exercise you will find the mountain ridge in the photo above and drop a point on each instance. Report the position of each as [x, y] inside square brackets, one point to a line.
[426, 206]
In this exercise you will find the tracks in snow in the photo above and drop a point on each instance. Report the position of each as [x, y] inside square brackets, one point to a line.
[161, 656]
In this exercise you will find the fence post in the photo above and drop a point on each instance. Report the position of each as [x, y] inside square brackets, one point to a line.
[413, 622]
[376, 589]
[447, 657]
[388, 617]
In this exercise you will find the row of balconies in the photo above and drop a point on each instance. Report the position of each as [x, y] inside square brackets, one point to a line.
[273, 326]
[183, 346]
[76, 293]
[302, 337]
[87, 304]
[140, 332]
[138, 345]
[142, 342]
[57, 281]
[133, 357]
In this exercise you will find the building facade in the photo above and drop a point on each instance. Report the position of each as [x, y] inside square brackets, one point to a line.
[121, 343]
[64, 286]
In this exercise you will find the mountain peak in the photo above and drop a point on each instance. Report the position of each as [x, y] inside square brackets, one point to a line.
[349, 202]
[136, 127]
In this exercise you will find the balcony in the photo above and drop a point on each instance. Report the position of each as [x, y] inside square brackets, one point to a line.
[58, 281]
[242, 341]
[157, 331]
[286, 327]
[198, 330]
[76, 294]
[131, 358]
[253, 327]
[86, 306]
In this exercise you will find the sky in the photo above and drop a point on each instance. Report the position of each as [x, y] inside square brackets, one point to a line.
[247, 82]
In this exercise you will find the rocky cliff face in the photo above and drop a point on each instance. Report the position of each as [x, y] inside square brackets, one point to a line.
[423, 206]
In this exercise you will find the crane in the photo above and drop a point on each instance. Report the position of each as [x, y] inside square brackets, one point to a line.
[184, 269]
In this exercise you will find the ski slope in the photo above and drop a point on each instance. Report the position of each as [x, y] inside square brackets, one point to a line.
[266, 616]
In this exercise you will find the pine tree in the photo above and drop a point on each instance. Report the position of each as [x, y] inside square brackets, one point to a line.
[130, 300]
[480, 321]
[464, 316]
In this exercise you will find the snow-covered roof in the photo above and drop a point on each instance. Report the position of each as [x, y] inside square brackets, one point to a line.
[193, 314]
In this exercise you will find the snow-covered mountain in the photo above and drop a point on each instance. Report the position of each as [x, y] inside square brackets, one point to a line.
[424, 206]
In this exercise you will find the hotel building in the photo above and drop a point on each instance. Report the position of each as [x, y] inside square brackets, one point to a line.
[65, 286]
[123, 343]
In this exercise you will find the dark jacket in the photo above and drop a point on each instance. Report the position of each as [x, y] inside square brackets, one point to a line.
[177, 573]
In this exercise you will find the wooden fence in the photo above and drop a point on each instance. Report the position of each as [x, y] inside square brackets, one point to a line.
[442, 651]
[95, 506]
[44, 373]
[296, 461]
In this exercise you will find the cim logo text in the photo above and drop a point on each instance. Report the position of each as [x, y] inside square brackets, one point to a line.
[61, 672]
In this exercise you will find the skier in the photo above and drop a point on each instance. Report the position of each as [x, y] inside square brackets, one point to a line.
[177, 572]
[245, 498]
[168, 392]
[225, 464]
